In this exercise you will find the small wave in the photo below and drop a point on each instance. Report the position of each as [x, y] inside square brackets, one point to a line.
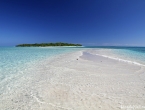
[127, 61]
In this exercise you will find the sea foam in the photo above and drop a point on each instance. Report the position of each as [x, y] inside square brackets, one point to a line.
[122, 60]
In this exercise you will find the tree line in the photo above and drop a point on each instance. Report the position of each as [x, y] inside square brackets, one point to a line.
[47, 44]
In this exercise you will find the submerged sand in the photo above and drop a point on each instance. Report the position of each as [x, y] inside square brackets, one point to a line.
[90, 83]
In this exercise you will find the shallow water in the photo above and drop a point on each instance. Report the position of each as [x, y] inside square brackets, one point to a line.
[32, 80]
[126, 54]
[15, 61]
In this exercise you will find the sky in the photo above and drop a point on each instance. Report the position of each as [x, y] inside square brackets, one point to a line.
[88, 22]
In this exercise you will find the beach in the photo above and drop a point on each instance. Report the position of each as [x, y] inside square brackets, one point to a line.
[80, 80]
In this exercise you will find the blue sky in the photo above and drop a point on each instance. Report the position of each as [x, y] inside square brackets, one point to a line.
[89, 22]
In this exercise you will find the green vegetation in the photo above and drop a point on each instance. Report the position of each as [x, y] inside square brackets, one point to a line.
[47, 44]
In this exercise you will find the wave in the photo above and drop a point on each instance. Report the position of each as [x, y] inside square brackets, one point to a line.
[122, 60]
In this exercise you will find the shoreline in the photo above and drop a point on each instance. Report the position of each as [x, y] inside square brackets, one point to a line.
[92, 82]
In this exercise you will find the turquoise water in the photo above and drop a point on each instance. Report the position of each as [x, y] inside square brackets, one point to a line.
[14, 61]
[131, 54]
[19, 76]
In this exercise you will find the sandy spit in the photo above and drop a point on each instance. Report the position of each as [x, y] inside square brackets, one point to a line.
[78, 81]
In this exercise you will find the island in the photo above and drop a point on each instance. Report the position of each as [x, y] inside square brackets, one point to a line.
[47, 44]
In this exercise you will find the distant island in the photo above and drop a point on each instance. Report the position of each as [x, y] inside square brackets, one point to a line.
[47, 44]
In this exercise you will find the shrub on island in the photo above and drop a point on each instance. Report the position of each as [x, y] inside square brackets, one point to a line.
[47, 44]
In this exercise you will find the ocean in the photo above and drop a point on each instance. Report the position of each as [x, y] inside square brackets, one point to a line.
[13, 60]
[18, 68]
[17, 61]
[135, 55]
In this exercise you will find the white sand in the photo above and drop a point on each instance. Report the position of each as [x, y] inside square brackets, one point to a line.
[89, 83]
